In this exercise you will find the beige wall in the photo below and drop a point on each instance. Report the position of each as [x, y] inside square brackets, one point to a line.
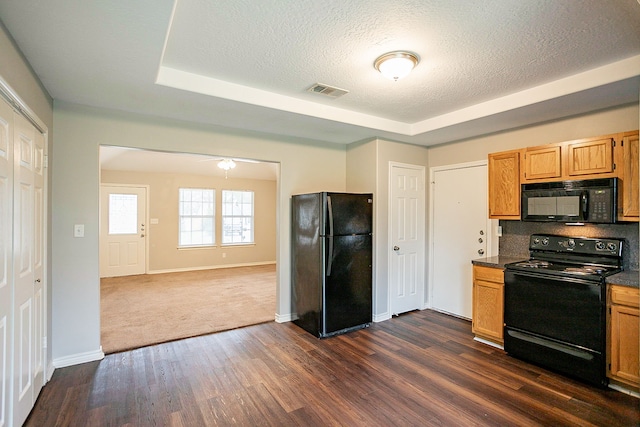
[600, 123]
[81, 130]
[368, 169]
[162, 199]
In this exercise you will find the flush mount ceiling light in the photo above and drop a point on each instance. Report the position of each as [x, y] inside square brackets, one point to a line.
[396, 65]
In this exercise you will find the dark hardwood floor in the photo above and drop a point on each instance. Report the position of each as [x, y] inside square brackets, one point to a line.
[419, 369]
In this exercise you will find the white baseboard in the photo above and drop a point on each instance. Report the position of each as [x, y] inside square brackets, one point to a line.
[283, 318]
[48, 373]
[381, 317]
[76, 359]
[209, 267]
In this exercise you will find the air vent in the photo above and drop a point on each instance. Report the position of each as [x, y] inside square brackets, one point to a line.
[330, 91]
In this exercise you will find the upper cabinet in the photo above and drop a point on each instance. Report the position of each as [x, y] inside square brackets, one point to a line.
[504, 185]
[542, 163]
[608, 156]
[629, 177]
[581, 159]
[588, 157]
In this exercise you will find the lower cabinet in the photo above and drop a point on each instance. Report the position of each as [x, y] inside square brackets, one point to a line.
[488, 302]
[623, 335]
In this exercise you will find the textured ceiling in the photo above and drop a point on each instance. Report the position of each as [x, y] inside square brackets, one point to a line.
[485, 66]
[128, 159]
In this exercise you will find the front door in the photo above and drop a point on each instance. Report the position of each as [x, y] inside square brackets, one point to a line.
[460, 232]
[407, 240]
[122, 230]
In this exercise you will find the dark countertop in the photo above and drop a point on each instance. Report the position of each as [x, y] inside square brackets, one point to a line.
[497, 261]
[626, 278]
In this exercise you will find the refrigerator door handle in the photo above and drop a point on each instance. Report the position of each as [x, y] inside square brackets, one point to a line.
[330, 256]
[330, 209]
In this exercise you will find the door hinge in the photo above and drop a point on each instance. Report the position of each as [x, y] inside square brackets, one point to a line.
[45, 161]
[613, 142]
[614, 166]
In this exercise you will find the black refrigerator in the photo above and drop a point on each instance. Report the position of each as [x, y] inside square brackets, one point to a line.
[331, 262]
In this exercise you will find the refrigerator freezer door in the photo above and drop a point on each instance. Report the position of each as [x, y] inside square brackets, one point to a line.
[307, 269]
[347, 301]
[350, 214]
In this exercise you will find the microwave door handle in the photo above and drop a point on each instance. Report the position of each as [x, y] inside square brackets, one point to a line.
[584, 204]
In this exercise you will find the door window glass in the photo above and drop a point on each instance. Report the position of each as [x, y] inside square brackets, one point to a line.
[123, 213]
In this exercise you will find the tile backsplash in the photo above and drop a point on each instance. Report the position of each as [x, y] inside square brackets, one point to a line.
[515, 237]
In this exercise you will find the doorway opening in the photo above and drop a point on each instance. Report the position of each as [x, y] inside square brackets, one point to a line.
[190, 289]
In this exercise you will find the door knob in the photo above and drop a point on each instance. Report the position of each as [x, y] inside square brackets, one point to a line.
[396, 248]
[480, 240]
[481, 251]
[482, 232]
[142, 235]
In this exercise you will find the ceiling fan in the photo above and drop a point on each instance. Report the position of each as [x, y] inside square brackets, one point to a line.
[227, 163]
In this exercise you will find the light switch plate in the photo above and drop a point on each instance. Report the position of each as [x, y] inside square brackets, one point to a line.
[78, 230]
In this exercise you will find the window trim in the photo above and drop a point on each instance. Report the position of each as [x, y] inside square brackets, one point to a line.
[212, 216]
[252, 217]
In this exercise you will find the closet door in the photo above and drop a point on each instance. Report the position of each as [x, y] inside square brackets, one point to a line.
[38, 263]
[23, 268]
[6, 265]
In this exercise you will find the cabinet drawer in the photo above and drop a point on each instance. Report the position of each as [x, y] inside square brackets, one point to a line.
[624, 296]
[490, 274]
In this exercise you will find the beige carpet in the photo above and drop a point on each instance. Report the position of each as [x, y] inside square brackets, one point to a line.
[148, 309]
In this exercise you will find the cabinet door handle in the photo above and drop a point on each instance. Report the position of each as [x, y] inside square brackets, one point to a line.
[481, 251]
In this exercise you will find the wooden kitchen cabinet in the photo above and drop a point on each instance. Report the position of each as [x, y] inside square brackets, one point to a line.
[629, 177]
[623, 335]
[607, 156]
[589, 157]
[504, 185]
[543, 162]
[488, 303]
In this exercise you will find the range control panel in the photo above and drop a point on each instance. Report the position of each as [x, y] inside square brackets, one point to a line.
[583, 245]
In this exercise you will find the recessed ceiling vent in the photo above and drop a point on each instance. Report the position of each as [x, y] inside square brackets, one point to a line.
[330, 91]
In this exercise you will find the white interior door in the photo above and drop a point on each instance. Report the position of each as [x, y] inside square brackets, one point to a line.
[407, 224]
[39, 302]
[6, 265]
[460, 231]
[23, 269]
[122, 230]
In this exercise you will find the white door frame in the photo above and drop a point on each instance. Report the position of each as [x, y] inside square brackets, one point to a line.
[492, 240]
[422, 170]
[146, 220]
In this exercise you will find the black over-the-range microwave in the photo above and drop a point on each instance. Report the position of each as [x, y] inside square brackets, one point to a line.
[586, 201]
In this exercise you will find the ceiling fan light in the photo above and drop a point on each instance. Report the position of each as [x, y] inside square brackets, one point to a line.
[396, 65]
[226, 164]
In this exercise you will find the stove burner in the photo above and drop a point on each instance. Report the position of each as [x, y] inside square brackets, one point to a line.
[534, 263]
[584, 270]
